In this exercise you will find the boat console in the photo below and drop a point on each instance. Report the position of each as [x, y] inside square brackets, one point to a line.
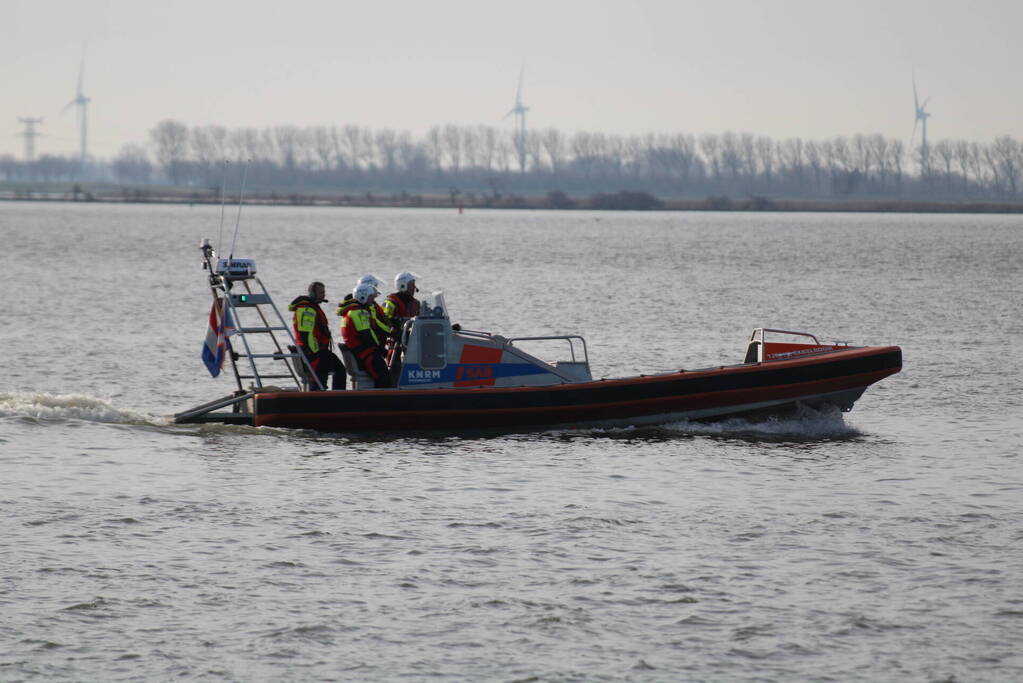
[439, 355]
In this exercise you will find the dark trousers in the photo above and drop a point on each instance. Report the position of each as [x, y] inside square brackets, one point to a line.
[326, 363]
[372, 361]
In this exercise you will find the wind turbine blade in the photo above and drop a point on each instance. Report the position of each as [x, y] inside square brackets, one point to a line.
[81, 72]
[913, 136]
[924, 105]
[67, 106]
[916, 100]
[518, 92]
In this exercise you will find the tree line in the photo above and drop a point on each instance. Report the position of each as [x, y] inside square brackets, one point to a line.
[491, 161]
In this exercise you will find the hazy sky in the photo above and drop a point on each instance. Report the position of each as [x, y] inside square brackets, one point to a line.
[808, 68]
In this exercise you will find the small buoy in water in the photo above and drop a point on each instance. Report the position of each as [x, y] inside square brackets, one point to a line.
[461, 206]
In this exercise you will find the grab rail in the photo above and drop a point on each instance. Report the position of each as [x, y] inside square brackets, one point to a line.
[759, 331]
[565, 337]
[509, 346]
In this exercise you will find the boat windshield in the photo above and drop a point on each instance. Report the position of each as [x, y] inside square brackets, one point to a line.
[434, 306]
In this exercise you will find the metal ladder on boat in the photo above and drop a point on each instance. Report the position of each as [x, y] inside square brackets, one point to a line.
[253, 346]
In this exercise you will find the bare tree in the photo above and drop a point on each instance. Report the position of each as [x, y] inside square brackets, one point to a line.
[617, 155]
[859, 156]
[243, 144]
[387, 149]
[878, 146]
[332, 156]
[323, 147]
[839, 160]
[790, 155]
[207, 149]
[171, 141]
[337, 141]
[945, 152]
[979, 168]
[599, 151]
[286, 143]
[815, 157]
[505, 153]
[132, 164]
[636, 155]
[353, 140]
[731, 156]
[554, 145]
[684, 147]
[435, 147]
[896, 155]
[471, 148]
[653, 157]
[1007, 157]
[488, 147]
[582, 151]
[534, 150]
[451, 139]
[411, 158]
[765, 155]
[962, 154]
[748, 159]
[710, 145]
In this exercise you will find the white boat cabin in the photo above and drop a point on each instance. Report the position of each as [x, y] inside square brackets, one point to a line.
[439, 355]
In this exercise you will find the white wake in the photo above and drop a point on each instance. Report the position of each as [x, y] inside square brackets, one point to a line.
[44, 406]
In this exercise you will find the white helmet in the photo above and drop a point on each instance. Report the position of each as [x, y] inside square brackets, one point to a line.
[364, 291]
[370, 279]
[402, 280]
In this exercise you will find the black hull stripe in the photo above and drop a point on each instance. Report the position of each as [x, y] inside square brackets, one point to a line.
[881, 362]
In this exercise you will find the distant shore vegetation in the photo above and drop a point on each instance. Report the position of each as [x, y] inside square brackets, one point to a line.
[487, 166]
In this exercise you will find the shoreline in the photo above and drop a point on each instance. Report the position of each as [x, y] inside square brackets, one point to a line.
[111, 195]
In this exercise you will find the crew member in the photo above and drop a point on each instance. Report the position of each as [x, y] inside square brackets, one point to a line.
[360, 334]
[312, 334]
[381, 324]
[398, 307]
[401, 305]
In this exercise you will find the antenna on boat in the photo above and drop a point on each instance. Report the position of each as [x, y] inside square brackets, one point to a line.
[238, 221]
[223, 183]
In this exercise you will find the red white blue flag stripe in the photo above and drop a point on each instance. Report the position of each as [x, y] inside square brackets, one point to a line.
[215, 348]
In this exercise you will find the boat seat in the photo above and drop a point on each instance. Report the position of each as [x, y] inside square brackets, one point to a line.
[753, 352]
[360, 378]
[301, 369]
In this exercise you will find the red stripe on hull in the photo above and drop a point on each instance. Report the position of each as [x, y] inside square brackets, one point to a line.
[723, 401]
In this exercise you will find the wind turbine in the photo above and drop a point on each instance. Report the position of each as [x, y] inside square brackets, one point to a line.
[921, 116]
[520, 121]
[81, 101]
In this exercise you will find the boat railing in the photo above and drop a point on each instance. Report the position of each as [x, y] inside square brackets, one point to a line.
[757, 351]
[758, 334]
[236, 289]
[569, 338]
[566, 370]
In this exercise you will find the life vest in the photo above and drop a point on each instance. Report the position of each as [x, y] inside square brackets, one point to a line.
[358, 329]
[381, 320]
[346, 304]
[312, 331]
[380, 327]
[400, 306]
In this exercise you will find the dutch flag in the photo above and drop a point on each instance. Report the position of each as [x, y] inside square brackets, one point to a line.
[219, 330]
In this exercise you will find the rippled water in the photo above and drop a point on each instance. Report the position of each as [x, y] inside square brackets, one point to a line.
[879, 544]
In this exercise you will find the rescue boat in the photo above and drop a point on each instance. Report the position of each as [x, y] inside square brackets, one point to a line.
[455, 380]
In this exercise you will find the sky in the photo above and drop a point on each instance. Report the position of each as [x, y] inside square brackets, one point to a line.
[780, 68]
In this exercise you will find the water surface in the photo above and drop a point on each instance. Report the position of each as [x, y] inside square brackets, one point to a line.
[879, 544]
